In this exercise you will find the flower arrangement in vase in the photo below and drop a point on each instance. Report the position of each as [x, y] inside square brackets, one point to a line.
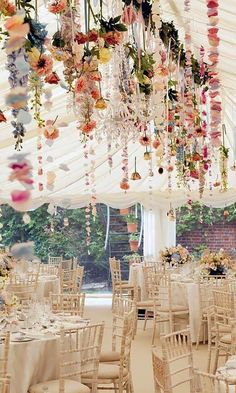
[215, 263]
[7, 300]
[177, 255]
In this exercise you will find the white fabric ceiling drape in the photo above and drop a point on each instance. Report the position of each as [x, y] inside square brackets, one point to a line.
[69, 189]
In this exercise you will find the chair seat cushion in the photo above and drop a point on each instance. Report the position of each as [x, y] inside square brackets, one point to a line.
[105, 371]
[174, 308]
[53, 387]
[109, 356]
[125, 285]
[226, 339]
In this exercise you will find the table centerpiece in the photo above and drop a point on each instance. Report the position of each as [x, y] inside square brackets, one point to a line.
[7, 300]
[175, 256]
[215, 263]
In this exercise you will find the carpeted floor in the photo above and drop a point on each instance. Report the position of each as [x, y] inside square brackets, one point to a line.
[141, 349]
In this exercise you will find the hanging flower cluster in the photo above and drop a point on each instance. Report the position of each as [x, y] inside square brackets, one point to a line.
[214, 82]
[127, 78]
[21, 171]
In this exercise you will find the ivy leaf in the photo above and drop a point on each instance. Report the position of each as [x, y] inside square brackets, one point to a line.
[120, 27]
[116, 19]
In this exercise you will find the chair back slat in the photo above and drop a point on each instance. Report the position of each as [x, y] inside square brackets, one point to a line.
[71, 304]
[54, 260]
[79, 353]
[178, 356]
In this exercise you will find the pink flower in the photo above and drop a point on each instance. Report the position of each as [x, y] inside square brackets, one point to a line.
[95, 76]
[81, 38]
[212, 4]
[57, 6]
[43, 65]
[86, 128]
[93, 35]
[113, 37]
[95, 94]
[52, 78]
[20, 196]
[81, 84]
[129, 15]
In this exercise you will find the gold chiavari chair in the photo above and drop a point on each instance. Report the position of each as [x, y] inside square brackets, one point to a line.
[24, 287]
[122, 306]
[71, 279]
[224, 326]
[79, 359]
[5, 384]
[178, 360]
[119, 376]
[160, 373]
[119, 286]
[54, 260]
[46, 269]
[166, 309]
[209, 383]
[68, 304]
[66, 264]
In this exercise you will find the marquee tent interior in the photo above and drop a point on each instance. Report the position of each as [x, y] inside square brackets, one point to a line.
[117, 102]
[65, 157]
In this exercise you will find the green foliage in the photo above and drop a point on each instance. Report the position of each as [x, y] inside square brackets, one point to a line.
[68, 241]
[134, 237]
[131, 219]
[199, 215]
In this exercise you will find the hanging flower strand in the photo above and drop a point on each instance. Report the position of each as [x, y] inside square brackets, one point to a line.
[214, 82]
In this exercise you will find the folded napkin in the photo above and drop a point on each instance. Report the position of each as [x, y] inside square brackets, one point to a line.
[231, 363]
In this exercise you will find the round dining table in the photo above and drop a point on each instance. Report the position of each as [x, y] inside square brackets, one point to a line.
[47, 284]
[185, 292]
[34, 352]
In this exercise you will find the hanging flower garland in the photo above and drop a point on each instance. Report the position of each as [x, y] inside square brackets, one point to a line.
[21, 171]
[214, 82]
[18, 75]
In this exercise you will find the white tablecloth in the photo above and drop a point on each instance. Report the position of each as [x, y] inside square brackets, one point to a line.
[33, 362]
[47, 285]
[38, 360]
[183, 293]
[228, 371]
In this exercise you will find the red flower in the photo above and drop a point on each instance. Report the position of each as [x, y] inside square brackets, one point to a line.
[95, 94]
[199, 131]
[212, 3]
[145, 140]
[95, 76]
[93, 35]
[86, 128]
[81, 38]
[113, 38]
[2, 117]
[20, 196]
[57, 6]
[194, 174]
[52, 78]
[81, 84]
[124, 185]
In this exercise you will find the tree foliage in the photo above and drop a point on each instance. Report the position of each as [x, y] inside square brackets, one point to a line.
[188, 219]
[68, 241]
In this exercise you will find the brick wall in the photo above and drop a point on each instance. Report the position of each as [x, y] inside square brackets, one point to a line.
[222, 235]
